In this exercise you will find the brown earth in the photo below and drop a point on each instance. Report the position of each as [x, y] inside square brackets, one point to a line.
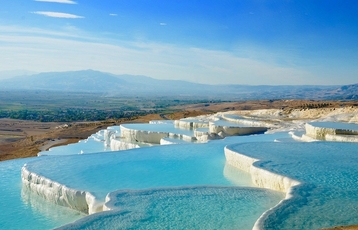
[20, 138]
[286, 105]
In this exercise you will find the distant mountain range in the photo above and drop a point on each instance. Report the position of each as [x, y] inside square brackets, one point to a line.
[135, 85]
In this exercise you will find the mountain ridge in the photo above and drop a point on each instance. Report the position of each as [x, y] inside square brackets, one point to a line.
[125, 84]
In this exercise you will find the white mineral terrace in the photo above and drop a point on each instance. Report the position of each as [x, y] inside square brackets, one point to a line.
[301, 136]
[149, 133]
[332, 131]
[316, 186]
[249, 122]
[230, 129]
[201, 132]
[190, 130]
[156, 166]
[191, 123]
[116, 145]
[318, 179]
[260, 177]
[60, 194]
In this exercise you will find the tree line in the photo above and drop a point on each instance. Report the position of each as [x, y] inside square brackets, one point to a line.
[73, 114]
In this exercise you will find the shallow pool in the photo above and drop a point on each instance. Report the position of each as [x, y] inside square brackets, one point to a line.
[20, 210]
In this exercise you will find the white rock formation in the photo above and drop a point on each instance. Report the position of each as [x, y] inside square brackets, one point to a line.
[190, 124]
[117, 145]
[167, 141]
[154, 137]
[107, 135]
[260, 177]
[161, 122]
[207, 137]
[234, 130]
[316, 131]
[303, 137]
[249, 122]
[182, 137]
[60, 194]
[342, 138]
[132, 135]
[200, 132]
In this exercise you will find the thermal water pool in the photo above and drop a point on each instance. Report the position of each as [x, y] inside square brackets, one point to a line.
[197, 207]
[20, 210]
[161, 127]
[201, 164]
[90, 145]
[328, 174]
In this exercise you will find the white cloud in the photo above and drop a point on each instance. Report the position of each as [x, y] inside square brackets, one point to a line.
[58, 1]
[156, 60]
[57, 14]
[163, 24]
[42, 52]
[67, 31]
[113, 15]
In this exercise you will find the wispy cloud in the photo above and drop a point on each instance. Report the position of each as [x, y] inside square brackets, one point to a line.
[155, 60]
[57, 14]
[68, 31]
[49, 51]
[163, 24]
[58, 1]
[113, 15]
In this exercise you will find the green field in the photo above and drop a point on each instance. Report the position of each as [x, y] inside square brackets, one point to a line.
[49, 106]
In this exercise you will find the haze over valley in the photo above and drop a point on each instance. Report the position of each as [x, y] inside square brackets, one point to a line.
[137, 85]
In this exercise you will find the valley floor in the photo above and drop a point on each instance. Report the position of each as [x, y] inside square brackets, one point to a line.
[19, 139]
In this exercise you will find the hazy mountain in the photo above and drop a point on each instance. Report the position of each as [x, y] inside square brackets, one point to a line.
[96, 81]
[347, 92]
[14, 73]
[110, 84]
[87, 80]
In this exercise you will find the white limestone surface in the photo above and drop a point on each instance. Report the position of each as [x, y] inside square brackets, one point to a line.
[168, 141]
[183, 137]
[82, 181]
[250, 122]
[314, 198]
[153, 133]
[191, 123]
[177, 140]
[23, 209]
[117, 145]
[260, 177]
[319, 130]
[107, 134]
[211, 136]
[300, 136]
[132, 135]
[161, 122]
[60, 194]
[231, 129]
[342, 138]
[200, 132]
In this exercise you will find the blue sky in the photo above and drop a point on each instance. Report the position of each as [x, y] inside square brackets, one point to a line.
[219, 42]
